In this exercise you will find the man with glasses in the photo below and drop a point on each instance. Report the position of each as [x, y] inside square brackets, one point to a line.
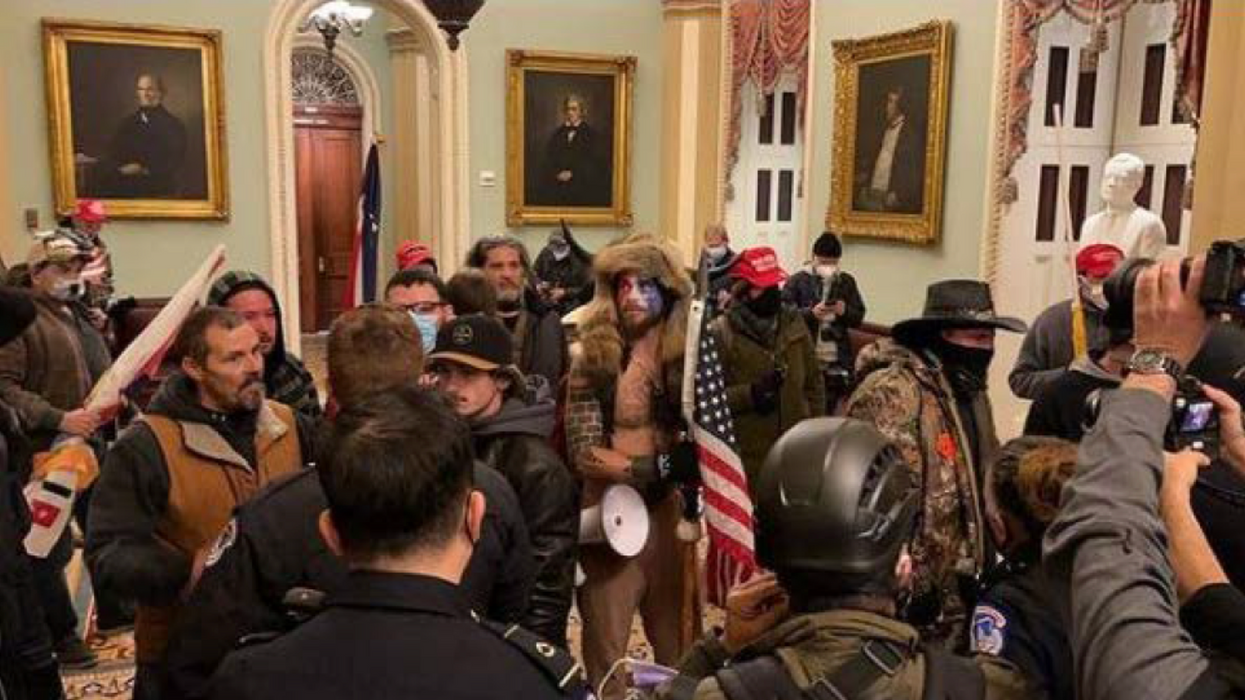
[420, 293]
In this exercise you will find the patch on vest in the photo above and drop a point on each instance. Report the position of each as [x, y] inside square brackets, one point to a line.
[223, 542]
[989, 630]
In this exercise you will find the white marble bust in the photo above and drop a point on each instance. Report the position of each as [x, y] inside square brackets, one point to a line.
[1138, 232]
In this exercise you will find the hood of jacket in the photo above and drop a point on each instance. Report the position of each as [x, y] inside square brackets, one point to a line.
[600, 349]
[888, 353]
[534, 412]
[236, 281]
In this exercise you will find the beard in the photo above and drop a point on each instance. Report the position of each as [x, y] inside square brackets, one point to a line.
[636, 323]
[248, 397]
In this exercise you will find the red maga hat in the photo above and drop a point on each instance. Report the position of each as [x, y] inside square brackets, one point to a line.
[91, 210]
[759, 267]
[412, 253]
[1098, 260]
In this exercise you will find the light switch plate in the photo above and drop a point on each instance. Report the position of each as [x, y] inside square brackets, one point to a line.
[488, 178]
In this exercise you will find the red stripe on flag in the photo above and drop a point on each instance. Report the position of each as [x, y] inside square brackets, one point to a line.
[728, 472]
[728, 508]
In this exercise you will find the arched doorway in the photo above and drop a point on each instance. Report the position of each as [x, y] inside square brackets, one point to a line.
[447, 180]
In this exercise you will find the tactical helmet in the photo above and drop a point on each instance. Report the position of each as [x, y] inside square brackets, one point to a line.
[835, 497]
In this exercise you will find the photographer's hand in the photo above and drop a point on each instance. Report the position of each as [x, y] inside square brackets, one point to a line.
[1231, 430]
[1167, 317]
[1192, 559]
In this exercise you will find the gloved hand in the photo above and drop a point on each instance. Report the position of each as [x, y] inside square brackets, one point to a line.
[680, 464]
[765, 392]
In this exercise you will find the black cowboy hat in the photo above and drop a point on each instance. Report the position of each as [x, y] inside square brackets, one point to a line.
[955, 304]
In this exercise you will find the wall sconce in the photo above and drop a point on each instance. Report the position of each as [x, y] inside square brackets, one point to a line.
[332, 17]
[453, 16]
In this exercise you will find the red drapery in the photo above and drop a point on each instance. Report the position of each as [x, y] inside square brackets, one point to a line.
[1188, 40]
[768, 37]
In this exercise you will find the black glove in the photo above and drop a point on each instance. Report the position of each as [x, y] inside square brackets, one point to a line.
[680, 464]
[765, 392]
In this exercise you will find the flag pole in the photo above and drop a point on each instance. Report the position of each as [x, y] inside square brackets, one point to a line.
[1080, 343]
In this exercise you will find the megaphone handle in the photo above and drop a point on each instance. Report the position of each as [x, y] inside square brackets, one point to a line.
[691, 510]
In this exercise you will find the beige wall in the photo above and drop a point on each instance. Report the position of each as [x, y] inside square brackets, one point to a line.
[1219, 207]
[893, 277]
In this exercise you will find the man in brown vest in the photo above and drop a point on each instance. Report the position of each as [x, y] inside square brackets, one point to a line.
[208, 442]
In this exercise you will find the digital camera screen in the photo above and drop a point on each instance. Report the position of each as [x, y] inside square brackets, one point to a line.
[1197, 416]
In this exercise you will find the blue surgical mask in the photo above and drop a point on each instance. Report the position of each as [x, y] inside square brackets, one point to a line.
[427, 325]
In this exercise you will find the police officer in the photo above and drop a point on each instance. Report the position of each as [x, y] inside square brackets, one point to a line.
[272, 546]
[403, 513]
[1016, 616]
[835, 507]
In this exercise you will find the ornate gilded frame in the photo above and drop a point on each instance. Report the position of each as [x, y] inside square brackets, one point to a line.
[934, 39]
[57, 34]
[622, 68]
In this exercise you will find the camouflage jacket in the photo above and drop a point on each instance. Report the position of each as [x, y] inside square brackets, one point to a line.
[910, 401]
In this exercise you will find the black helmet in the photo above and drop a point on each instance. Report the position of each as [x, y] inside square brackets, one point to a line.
[835, 497]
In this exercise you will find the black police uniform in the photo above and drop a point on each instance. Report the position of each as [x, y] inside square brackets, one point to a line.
[387, 635]
[1017, 620]
[273, 544]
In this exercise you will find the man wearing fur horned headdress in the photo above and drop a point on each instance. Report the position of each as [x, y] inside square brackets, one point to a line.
[624, 426]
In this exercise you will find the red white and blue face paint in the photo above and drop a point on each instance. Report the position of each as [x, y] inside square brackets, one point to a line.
[639, 300]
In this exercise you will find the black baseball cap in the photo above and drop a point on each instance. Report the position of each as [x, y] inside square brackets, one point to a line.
[474, 340]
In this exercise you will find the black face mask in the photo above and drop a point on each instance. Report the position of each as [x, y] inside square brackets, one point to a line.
[967, 368]
[767, 304]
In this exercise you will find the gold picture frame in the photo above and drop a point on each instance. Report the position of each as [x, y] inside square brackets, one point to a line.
[136, 118]
[558, 168]
[887, 175]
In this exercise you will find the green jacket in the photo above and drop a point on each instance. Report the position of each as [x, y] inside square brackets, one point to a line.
[746, 358]
[815, 646]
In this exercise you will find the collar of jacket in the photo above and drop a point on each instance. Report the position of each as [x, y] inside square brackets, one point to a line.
[842, 627]
[203, 440]
[399, 592]
[787, 326]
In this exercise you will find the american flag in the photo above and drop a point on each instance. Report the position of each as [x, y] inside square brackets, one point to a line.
[728, 508]
[361, 287]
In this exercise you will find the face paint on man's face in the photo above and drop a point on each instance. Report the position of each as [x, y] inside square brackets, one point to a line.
[639, 300]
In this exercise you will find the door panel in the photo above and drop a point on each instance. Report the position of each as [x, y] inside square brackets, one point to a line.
[328, 144]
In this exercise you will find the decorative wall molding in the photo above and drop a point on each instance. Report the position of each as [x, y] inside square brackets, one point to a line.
[450, 176]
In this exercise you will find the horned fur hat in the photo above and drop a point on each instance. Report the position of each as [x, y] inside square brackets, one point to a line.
[601, 343]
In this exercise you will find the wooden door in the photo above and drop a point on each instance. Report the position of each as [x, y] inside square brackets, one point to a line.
[328, 148]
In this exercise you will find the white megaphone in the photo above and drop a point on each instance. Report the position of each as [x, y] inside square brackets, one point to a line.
[619, 520]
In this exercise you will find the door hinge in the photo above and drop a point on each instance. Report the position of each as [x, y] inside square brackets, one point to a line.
[320, 264]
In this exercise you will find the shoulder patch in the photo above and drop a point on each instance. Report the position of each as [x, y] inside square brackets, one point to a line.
[562, 670]
[989, 630]
[223, 542]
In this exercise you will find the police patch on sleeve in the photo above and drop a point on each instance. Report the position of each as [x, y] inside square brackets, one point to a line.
[989, 630]
[223, 542]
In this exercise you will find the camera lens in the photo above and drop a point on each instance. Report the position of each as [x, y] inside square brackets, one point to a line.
[1118, 289]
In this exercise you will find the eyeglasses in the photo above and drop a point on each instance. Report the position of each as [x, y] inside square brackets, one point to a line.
[422, 307]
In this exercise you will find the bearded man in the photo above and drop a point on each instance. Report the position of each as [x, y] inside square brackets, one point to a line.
[623, 427]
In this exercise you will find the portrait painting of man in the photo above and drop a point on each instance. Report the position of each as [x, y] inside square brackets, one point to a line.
[568, 130]
[136, 118]
[890, 130]
[890, 138]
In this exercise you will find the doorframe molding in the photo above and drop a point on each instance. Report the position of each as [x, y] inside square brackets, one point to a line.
[449, 176]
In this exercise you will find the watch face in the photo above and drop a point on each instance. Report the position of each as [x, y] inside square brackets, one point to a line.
[1149, 362]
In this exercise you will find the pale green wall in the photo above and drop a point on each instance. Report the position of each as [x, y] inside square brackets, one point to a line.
[893, 277]
[629, 27]
[151, 258]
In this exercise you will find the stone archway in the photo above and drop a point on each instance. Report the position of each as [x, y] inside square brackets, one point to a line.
[448, 179]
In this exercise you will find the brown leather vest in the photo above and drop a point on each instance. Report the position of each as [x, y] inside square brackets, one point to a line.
[207, 480]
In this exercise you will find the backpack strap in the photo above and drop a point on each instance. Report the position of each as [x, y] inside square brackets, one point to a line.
[951, 677]
[762, 678]
[766, 677]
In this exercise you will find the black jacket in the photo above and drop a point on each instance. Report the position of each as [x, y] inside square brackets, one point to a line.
[804, 291]
[541, 348]
[133, 490]
[1016, 619]
[515, 442]
[274, 545]
[387, 635]
[572, 273]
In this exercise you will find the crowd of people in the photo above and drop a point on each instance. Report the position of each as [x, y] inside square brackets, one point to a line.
[418, 531]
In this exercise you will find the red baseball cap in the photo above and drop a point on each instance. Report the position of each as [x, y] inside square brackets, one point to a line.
[91, 211]
[759, 267]
[412, 253]
[1098, 259]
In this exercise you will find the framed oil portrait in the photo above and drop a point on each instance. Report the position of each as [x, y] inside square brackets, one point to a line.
[568, 138]
[890, 123]
[136, 118]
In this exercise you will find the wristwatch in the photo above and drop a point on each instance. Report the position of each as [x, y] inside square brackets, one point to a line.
[1150, 361]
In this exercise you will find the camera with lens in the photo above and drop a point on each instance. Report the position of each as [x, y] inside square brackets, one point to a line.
[1194, 423]
[1222, 292]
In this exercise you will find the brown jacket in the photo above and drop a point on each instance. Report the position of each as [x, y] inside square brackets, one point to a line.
[168, 487]
[51, 367]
